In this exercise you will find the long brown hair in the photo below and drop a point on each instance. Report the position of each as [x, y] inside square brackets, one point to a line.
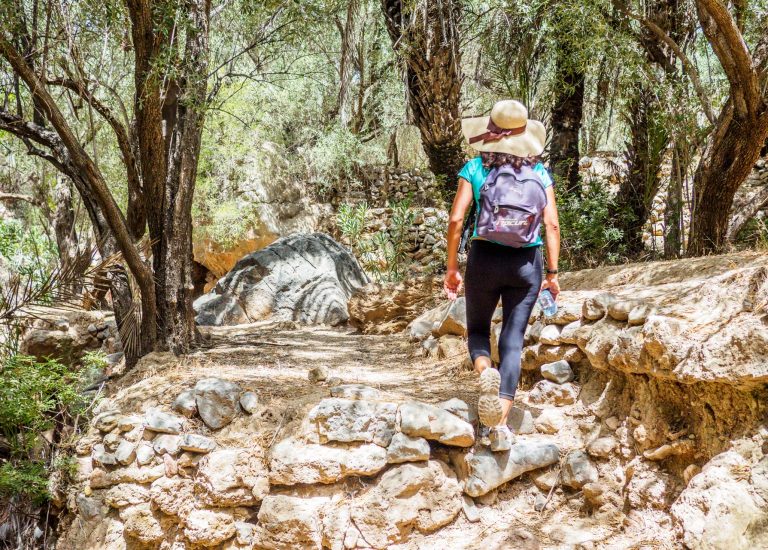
[496, 160]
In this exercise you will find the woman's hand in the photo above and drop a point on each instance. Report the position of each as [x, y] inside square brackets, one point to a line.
[452, 283]
[551, 283]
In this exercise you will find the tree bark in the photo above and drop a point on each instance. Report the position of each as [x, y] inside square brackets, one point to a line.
[739, 134]
[427, 40]
[567, 116]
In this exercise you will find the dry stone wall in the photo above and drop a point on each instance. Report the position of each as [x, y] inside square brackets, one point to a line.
[384, 184]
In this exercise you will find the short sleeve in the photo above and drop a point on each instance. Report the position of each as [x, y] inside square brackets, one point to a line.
[467, 170]
[546, 180]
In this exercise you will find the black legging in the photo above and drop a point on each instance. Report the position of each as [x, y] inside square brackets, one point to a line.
[514, 274]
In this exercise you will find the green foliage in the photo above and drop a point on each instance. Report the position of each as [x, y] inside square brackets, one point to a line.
[26, 249]
[35, 396]
[590, 237]
[382, 255]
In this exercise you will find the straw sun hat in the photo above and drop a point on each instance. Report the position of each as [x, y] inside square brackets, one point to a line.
[507, 130]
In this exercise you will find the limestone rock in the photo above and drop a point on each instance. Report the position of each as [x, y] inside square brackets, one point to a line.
[185, 403]
[407, 449]
[470, 509]
[638, 314]
[387, 308]
[355, 391]
[167, 444]
[569, 333]
[550, 421]
[107, 421]
[101, 456]
[162, 422]
[173, 496]
[197, 443]
[602, 447]
[454, 320]
[422, 420]
[249, 402]
[217, 401]
[111, 441]
[596, 307]
[208, 528]
[559, 371]
[412, 497]
[317, 374]
[568, 311]
[141, 524]
[451, 347]
[244, 532]
[520, 421]
[721, 509]
[489, 470]
[460, 408]
[125, 453]
[292, 461]
[348, 420]
[232, 477]
[129, 423]
[619, 309]
[144, 453]
[133, 474]
[336, 524]
[303, 278]
[289, 522]
[545, 391]
[126, 494]
[550, 334]
[421, 327]
[578, 470]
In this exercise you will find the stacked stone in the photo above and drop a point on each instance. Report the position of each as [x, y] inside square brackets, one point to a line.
[384, 184]
[426, 237]
[173, 487]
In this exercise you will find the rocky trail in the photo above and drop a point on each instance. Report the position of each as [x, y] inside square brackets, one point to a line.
[640, 422]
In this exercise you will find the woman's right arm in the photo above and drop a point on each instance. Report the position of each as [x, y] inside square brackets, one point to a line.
[462, 201]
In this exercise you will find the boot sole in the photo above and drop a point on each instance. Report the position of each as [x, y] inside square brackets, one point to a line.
[488, 405]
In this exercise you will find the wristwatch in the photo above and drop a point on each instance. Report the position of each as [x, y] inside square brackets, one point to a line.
[551, 271]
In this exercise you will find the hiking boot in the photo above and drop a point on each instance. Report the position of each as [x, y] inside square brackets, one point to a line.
[501, 438]
[489, 406]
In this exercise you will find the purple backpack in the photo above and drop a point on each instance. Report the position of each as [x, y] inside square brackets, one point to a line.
[511, 206]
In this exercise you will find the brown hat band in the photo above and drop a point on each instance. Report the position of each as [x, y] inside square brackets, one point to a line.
[495, 133]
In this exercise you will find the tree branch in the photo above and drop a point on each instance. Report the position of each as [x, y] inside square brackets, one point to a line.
[10, 197]
[688, 67]
[728, 43]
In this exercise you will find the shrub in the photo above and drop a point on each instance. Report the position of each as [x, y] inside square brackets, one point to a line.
[590, 236]
[35, 396]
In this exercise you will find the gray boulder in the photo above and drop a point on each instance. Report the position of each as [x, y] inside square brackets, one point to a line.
[303, 278]
[559, 371]
[217, 401]
[578, 470]
[488, 470]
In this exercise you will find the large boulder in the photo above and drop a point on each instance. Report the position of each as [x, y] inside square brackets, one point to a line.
[303, 278]
[386, 308]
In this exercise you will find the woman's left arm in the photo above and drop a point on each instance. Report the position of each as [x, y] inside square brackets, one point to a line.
[552, 226]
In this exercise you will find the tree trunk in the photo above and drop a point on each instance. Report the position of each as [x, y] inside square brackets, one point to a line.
[427, 40]
[567, 115]
[673, 214]
[644, 156]
[728, 159]
[750, 198]
[64, 224]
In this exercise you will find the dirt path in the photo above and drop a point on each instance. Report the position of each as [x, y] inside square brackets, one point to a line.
[274, 361]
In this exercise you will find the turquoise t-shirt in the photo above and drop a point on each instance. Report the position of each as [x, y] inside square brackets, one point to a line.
[474, 172]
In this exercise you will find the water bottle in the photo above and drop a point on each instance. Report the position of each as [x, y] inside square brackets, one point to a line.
[547, 303]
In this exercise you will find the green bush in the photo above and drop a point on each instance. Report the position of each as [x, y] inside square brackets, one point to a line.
[590, 235]
[35, 396]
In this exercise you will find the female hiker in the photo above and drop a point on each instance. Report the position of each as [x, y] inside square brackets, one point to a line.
[512, 194]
